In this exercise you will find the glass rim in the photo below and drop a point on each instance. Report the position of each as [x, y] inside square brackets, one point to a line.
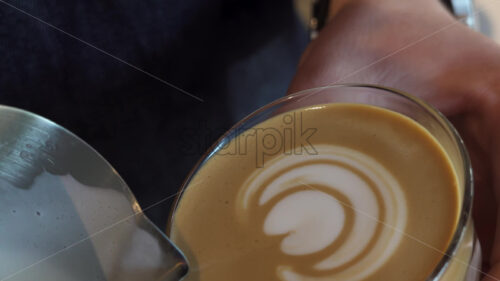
[468, 191]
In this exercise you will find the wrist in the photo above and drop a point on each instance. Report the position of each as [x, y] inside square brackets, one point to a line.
[336, 6]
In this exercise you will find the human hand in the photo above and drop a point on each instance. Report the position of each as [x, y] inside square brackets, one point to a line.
[418, 47]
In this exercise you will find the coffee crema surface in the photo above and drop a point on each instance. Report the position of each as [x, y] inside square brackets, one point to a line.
[372, 196]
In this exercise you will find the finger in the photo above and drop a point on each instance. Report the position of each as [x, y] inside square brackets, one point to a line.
[493, 274]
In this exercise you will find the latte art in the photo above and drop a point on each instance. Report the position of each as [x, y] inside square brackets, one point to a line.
[339, 203]
[377, 200]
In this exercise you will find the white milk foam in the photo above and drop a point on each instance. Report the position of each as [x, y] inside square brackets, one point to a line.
[314, 219]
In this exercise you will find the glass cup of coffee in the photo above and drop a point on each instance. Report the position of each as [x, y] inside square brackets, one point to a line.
[345, 182]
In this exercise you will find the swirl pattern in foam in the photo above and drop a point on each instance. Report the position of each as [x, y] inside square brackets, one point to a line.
[340, 204]
[337, 215]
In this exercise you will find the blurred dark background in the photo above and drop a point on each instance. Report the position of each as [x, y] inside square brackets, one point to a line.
[235, 55]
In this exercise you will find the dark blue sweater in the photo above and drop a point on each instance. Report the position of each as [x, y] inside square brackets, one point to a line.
[235, 55]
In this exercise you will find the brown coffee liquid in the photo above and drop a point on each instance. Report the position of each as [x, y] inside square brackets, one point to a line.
[330, 192]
